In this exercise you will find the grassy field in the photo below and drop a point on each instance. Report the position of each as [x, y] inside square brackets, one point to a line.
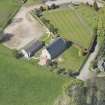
[31, 2]
[70, 25]
[22, 83]
[88, 14]
[7, 9]
[71, 59]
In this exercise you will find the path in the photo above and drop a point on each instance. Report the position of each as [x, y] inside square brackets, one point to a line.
[24, 28]
[85, 72]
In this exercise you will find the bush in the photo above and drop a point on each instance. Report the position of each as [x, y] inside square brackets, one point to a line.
[54, 6]
[96, 6]
[17, 54]
[38, 12]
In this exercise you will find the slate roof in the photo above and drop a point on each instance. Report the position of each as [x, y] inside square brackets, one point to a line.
[57, 47]
[34, 47]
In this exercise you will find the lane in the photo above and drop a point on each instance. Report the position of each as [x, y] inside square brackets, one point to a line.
[85, 72]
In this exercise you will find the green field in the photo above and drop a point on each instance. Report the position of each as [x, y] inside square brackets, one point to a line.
[71, 25]
[32, 2]
[71, 59]
[22, 83]
[88, 14]
[7, 9]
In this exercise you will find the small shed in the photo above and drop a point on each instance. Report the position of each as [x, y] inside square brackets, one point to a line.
[32, 49]
[56, 48]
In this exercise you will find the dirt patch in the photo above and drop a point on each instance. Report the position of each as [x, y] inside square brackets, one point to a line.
[24, 28]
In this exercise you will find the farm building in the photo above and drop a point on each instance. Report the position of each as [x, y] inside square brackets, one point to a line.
[54, 49]
[32, 49]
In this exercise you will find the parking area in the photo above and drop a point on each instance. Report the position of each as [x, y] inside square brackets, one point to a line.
[23, 29]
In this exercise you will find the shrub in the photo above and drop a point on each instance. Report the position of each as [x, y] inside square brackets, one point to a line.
[17, 54]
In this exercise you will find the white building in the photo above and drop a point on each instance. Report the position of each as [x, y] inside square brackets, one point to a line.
[53, 50]
[61, 2]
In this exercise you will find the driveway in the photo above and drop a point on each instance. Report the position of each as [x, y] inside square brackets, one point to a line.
[23, 29]
[85, 73]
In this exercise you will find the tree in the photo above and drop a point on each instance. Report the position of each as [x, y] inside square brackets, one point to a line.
[96, 5]
[51, 28]
[45, 21]
[38, 12]
[21, 1]
[1, 36]
[17, 54]
[93, 64]
[41, 8]
[53, 6]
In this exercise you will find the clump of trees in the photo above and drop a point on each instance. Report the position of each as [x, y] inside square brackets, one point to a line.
[91, 92]
[76, 92]
[21, 1]
[51, 27]
[96, 7]
[17, 54]
[93, 64]
[38, 12]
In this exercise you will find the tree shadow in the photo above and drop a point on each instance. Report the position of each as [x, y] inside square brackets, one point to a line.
[5, 37]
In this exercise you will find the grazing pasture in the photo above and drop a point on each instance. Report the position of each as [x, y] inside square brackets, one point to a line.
[32, 2]
[24, 83]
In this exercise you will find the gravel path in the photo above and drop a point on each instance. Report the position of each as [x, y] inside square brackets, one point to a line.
[85, 72]
[23, 29]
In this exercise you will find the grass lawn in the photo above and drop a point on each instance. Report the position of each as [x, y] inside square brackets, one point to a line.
[71, 59]
[7, 9]
[31, 2]
[88, 14]
[70, 25]
[22, 83]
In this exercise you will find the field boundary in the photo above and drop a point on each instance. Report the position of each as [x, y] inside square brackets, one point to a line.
[11, 16]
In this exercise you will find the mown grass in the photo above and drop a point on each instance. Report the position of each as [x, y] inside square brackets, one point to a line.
[22, 83]
[70, 26]
[88, 14]
[32, 2]
[7, 10]
[71, 59]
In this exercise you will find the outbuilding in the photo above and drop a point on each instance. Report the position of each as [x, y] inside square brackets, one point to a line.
[55, 49]
[32, 49]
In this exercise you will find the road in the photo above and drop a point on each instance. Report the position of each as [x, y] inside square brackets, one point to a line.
[60, 2]
[24, 28]
[85, 72]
